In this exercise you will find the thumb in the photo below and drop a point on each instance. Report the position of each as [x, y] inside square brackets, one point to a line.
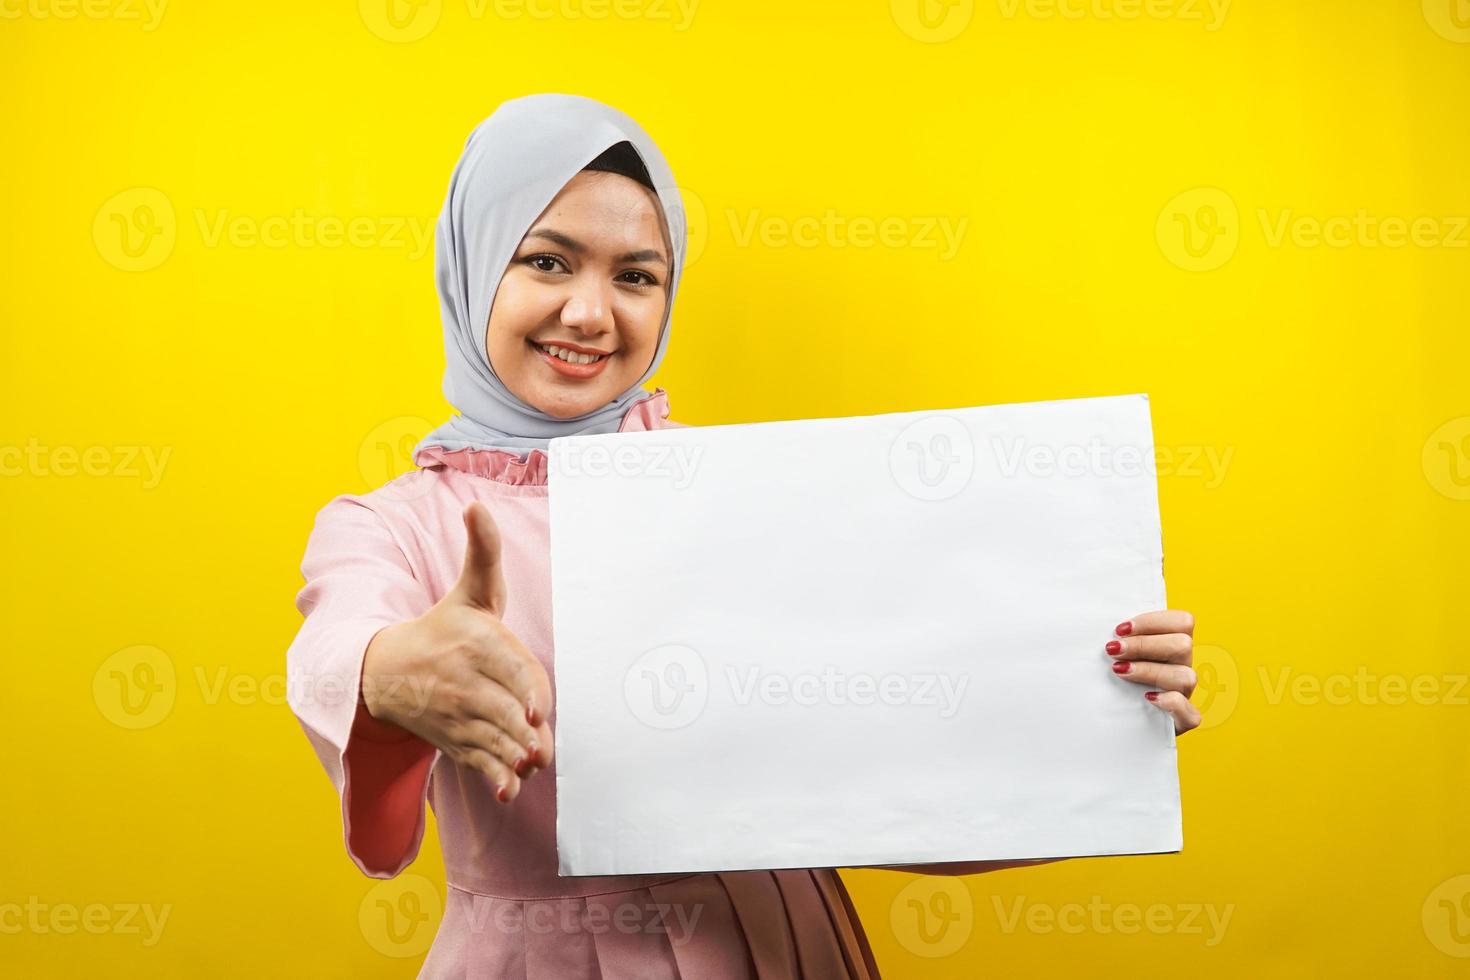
[482, 582]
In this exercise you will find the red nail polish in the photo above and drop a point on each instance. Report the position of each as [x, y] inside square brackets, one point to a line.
[1114, 647]
[1121, 666]
[500, 793]
[520, 768]
[531, 718]
[1123, 629]
[1152, 695]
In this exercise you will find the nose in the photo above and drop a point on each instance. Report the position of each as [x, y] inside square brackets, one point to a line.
[588, 308]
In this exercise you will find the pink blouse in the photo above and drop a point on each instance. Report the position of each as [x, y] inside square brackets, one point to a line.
[381, 557]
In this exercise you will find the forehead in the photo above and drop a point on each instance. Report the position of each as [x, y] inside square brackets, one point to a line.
[605, 209]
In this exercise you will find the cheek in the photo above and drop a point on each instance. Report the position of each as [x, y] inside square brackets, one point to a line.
[516, 311]
[512, 316]
[644, 321]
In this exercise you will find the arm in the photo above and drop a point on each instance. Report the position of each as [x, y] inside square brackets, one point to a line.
[962, 867]
[357, 581]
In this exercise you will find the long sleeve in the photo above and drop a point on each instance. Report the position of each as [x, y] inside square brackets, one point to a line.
[357, 582]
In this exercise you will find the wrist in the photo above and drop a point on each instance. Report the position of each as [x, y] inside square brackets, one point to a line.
[380, 664]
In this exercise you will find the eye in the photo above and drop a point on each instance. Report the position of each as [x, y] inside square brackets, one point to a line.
[647, 279]
[536, 262]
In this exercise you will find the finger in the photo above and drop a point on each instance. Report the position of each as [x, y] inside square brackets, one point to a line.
[545, 746]
[1186, 716]
[506, 785]
[477, 733]
[1162, 621]
[494, 705]
[1168, 677]
[1169, 648]
[503, 658]
[482, 580]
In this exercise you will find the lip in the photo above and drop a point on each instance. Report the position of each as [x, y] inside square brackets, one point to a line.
[578, 371]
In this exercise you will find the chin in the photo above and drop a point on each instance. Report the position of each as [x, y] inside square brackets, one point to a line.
[563, 406]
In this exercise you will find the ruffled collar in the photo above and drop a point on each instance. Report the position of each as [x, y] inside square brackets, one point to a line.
[528, 469]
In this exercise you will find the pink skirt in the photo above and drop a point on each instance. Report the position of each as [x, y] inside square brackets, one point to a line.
[738, 925]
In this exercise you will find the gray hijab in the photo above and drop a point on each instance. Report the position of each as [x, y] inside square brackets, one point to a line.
[513, 164]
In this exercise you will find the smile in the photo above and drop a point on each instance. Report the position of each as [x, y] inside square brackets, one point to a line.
[571, 363]
[569, 355]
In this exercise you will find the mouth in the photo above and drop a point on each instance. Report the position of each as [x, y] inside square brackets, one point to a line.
[571, 361]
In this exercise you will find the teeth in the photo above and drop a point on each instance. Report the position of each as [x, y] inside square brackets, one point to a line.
[571, 357]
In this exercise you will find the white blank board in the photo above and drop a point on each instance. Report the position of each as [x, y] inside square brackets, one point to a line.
[853, 641]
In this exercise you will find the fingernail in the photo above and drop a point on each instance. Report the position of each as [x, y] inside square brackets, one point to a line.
[532, 752]
[500, 792]
[1121, 666]
[521, 767]
[1114, 647]
[1124, 628]
[531, 718]
[1152, 695]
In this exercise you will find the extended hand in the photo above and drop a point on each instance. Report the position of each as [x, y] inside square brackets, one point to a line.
[475, 691]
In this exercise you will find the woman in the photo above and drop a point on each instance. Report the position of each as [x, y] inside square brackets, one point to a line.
[559, 252]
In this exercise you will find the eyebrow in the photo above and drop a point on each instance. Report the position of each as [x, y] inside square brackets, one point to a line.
[568, 242]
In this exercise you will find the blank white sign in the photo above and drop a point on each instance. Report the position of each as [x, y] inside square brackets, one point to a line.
[852, 641]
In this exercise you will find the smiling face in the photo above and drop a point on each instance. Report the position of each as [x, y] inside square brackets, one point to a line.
[576, 318]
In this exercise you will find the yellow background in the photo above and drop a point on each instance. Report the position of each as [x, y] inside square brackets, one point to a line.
[1323, 551]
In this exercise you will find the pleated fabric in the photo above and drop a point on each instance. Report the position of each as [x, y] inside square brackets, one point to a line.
[741, 925]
